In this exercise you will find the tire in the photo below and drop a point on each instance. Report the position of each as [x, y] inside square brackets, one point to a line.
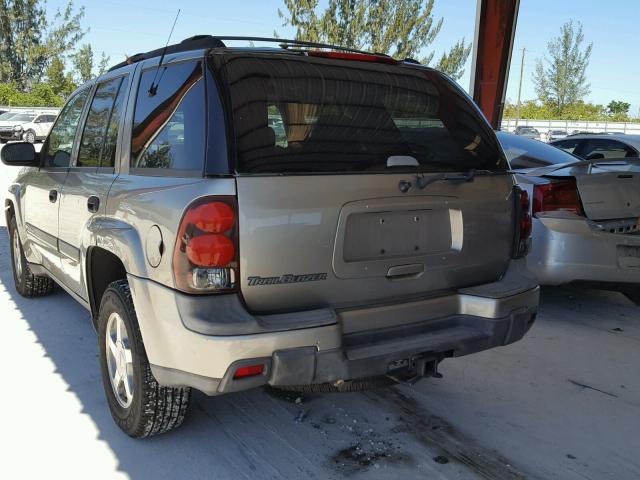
[144, 408]
[30, 136]
[357, 385]
[27, 284]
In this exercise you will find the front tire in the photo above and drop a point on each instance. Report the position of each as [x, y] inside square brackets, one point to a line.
[30, 136]
[138, 404]
[27, 284]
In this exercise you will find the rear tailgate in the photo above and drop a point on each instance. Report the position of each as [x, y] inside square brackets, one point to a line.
[322, 149]
[307, 241]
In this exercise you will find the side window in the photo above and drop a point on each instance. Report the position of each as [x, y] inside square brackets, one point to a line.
[169, 125]
[98, 144]
[568, 145]
[60, 141]
[598, 148]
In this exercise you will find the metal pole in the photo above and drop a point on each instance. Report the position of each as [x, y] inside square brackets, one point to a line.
[520, 87]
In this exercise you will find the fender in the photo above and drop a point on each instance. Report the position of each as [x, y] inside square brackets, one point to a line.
[119, 238]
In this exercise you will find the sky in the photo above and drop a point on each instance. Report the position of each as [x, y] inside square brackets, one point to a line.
[122, 28]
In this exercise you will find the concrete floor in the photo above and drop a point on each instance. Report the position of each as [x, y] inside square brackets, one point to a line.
[562, 403]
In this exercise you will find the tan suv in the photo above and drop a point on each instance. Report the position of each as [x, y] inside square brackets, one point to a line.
[306, 217]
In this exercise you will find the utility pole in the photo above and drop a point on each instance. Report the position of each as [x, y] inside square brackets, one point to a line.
[520, 87]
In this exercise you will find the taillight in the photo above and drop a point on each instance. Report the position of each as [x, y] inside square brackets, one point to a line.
[249, 371]
[522, 239]
[557, 195]
[205, 258]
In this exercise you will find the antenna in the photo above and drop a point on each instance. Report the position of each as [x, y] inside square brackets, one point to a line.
[153, 89]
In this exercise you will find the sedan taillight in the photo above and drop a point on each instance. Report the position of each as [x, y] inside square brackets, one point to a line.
[557, 195]
[205, 258]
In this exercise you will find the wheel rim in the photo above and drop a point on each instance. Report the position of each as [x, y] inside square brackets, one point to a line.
[17, 255]
[31, 137]
[119, 360]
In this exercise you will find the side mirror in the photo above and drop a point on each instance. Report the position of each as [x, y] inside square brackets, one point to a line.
[595, 156]
[21, 154]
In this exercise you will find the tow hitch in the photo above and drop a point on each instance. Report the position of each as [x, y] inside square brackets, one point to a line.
[409, 370]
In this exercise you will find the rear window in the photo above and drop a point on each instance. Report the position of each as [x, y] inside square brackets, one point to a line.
[302, 114]
[523, 152]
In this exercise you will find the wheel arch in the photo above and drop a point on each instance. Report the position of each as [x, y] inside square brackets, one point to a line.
[112, 250]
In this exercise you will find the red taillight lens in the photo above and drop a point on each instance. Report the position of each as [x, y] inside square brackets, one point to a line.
[211, 250]
[249, 371]
[362, 57]
[213, 217]
[557, 195]
[205, 258]
[523, 223]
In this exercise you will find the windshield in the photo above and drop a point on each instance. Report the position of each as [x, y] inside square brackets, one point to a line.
[526, 153]
[23, 117]
[303, 114]
[7, 115]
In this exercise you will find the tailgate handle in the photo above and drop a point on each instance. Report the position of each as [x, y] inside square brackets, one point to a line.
[411, 270]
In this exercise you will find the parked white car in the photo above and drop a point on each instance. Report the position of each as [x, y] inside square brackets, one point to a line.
[30, 127]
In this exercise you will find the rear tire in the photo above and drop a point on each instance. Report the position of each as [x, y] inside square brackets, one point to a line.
[138, 404]
[27, 284]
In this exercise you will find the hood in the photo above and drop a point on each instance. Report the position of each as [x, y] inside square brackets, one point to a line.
[10, 123]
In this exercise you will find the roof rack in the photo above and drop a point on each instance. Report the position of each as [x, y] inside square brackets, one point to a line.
[209, 41]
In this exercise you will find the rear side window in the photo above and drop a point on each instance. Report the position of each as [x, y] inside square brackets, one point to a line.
[98, 144]
[598, 148]
[60, 141]
[169, 125]
[303, 114]
[569, 145]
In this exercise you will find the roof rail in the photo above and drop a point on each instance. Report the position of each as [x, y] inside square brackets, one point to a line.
[209, 41]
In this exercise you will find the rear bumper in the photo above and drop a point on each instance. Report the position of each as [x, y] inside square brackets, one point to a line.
[458, 324]
[568, 250]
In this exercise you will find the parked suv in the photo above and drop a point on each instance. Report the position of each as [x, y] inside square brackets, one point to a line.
[370, 232]
[30, 127]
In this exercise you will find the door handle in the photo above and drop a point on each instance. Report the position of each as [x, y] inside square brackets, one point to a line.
[93, 204]
[53, 196]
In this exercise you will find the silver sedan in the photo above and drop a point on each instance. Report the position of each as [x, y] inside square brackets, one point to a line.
[585, 215]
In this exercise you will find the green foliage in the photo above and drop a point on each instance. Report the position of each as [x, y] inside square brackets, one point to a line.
[563, 81]
[579, 110]
[618, 110]
[28, 40]
[103, 64]
[41, 95]
[83, 63]
[452, 63]
[401, 28]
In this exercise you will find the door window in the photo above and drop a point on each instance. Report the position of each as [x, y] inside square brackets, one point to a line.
[57, 152]
[98, 144]
[169, 125]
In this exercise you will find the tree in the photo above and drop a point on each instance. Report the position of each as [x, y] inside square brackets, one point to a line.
[103, 64]
[563, 81]
[401, 28]
[61, 83]
[28, 40]
[618, 110]
[83, 63]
